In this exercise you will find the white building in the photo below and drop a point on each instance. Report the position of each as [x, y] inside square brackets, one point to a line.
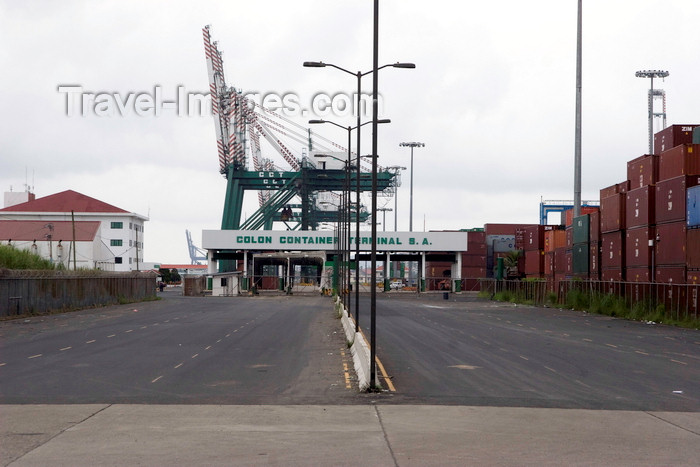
[69, 225]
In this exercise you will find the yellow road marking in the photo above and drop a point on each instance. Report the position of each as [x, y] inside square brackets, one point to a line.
[65, 348]
[35, 356]
[389, 384]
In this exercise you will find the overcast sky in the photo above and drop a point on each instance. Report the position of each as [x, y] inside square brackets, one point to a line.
[492, 97]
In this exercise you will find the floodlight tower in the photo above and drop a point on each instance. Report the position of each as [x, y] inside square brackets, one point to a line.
[652, 74]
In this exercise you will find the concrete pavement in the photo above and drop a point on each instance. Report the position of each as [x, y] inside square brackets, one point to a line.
[369, 434]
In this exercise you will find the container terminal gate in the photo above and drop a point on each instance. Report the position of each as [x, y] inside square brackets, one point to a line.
[313, 261]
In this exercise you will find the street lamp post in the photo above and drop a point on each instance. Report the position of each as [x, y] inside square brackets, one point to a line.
[384, 210]
[395, 169]
[359, 76]
[375, 111]
[357, 207]
[410, 211]
[651, 74]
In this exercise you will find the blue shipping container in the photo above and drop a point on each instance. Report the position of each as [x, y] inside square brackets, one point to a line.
[693, 206]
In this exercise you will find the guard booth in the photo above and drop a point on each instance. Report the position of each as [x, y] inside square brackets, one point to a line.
[226, 284]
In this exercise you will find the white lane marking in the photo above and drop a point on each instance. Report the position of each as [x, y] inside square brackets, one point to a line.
[35, 356]
[551, 369]
[178, 365]
[90, 342]
[208, 347]
[157, 379]
[640, 352]
[111, 335]
[678, 361]
[524, 358]
[130, 330]
[195, 355]
[65, 348]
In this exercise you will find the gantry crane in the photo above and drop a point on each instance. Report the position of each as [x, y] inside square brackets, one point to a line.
[240, 123]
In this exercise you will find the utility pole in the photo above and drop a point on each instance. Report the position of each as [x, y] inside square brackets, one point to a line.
[72, 219]
[410, 210]
[577, 143]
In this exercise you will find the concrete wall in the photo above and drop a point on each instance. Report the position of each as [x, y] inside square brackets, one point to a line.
[45, 291]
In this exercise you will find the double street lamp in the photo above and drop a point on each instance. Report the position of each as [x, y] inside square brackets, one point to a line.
[357, 206]
[375, 120]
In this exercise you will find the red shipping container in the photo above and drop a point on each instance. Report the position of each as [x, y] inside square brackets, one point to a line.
[478, 273]
[594, 227]
[520, 239]
[671, 198]
[594, 260]
[612, 250]
[638, 275]
[533, 237]
[609, 191]
[549, 263]
[612, 274]
[569, 263]
[504, 229]
[637, 249]
[474, 261]
[569, 237]
[672, 136]
[693, 277]
[681, 160]
[643, 171]
[560, 261]
[670, 243]
[671, 274]
[554, 239]
[623, 187]
[640, 207]
[474, 248]
[584, 210]
[692, 248]
[534, 262]
[612, 213]
[476, 237]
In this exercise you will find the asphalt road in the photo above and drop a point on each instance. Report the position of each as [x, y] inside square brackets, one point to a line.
[468, 351]
[179, 350]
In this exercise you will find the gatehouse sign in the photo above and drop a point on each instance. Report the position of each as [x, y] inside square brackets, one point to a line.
[326, 240]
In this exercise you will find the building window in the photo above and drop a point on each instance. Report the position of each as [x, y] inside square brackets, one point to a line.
[117, 225]
[115, 242]
[224, 281]
[117, 260]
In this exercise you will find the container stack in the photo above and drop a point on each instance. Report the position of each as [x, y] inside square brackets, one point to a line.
[675, 240]
[474, 260]
[533, 249]
[612, 225]
[693, 233]
[594, 245]
[580, 255]
[642, 175]
[554, 240]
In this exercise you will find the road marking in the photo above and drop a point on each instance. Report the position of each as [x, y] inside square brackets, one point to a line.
[130, 330]
[235, 330]
[178, 365]
[209, 347]
[678, 361]
[464, 367]
[524, 358]
[35, 356]
[550, 369]
[112, 335]
[587, 340]
[348, 385]
[610, 345]
[218, 341]
[389, 384]
[227, 335]
[65, 348]
[3, 364]
[90, 342]
[640, 352]
[582, 384]
[195, 355]
[157, 379]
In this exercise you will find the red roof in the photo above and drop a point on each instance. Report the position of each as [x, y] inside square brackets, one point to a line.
[65, 201]
[183, 266]
[37, 230]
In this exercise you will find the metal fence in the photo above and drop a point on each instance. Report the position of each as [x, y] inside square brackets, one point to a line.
[39, 292]
[679, 301]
